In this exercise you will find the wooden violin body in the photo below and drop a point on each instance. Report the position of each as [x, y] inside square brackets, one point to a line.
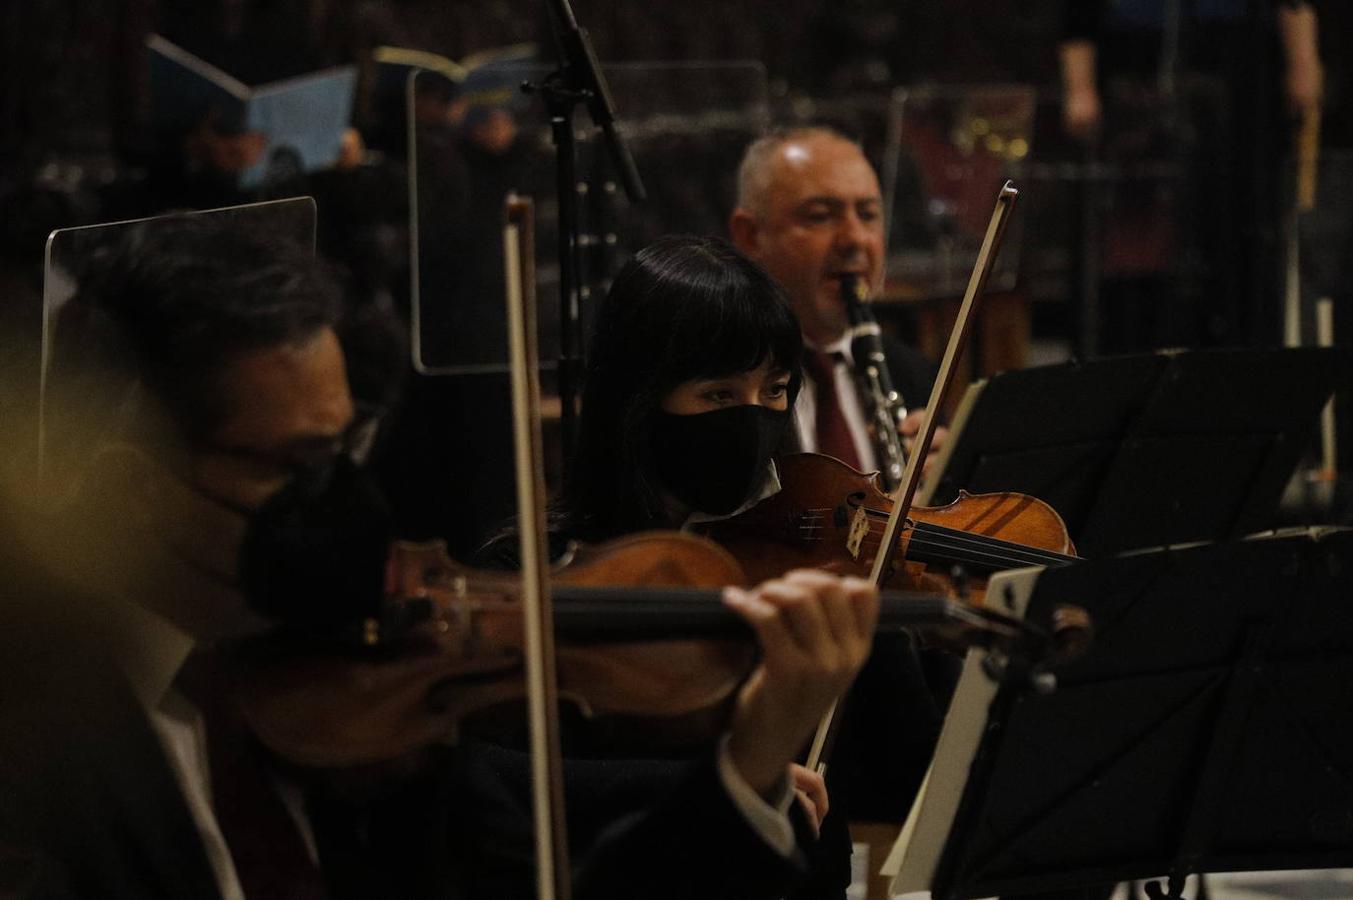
[644, 641]
[326, 708]
[830, 516]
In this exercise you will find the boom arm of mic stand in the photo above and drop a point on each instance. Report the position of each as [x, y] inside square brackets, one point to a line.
[583, 73]
[577, 80]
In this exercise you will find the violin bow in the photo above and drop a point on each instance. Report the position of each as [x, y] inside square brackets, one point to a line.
[911, 478]
[542, 694]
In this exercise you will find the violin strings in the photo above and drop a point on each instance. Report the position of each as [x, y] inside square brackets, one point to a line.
[961, 546]
[954, 552]
[938, 536]
[959, 535]
[943, 538]
[972, 558]
[985, 560]
[984, 551]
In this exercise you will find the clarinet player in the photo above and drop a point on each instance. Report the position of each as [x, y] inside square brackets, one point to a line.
[810, 211]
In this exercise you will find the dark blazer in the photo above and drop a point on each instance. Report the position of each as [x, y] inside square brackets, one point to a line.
[651, 828]
[88, 803]
[89, 807]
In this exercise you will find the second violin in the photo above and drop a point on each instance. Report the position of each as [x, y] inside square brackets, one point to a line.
[830, 516]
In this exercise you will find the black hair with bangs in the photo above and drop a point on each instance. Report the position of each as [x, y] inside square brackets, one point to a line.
[684, 307]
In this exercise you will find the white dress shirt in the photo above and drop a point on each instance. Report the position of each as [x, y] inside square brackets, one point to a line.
[151, 650]
[805, 407]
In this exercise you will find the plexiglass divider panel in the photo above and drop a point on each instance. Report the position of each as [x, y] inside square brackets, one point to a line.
[70, 417]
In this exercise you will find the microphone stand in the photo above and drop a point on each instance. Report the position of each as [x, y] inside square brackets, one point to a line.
[577, 80]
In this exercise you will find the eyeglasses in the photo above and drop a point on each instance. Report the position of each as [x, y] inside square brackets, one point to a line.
[311, 455]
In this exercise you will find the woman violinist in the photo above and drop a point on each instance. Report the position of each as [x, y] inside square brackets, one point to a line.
[692, 370]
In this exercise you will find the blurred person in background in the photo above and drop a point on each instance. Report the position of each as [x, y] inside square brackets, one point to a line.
[1191, 256]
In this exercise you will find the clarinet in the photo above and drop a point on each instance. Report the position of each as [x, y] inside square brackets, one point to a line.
[883, 406]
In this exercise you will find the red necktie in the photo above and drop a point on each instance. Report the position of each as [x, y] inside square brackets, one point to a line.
[269, 852]
[833, 434]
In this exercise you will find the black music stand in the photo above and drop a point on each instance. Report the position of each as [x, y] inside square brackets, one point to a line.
[1209, 728]
[1144, 451]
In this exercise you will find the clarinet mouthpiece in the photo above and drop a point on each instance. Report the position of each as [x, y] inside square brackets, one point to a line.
[853, 289]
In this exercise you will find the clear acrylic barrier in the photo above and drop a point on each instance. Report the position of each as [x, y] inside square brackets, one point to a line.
[64, 429]
[949, 150]
[686, 125]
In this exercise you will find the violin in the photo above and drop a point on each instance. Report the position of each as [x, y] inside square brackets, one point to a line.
[642, 634]
[831, 516]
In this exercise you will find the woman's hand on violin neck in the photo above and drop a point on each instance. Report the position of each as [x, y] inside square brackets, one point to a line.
[815, 631]
[811, 790]
[910, 427]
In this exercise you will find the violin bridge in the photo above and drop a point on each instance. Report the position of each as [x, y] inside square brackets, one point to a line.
[859, 528]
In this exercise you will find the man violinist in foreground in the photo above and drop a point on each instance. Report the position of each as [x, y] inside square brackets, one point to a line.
[809, 211]
[212, 377]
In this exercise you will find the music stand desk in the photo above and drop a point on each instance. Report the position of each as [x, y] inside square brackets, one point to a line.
[1209, 728]
[1143, 451]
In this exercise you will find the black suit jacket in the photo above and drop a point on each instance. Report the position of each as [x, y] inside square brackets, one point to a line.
[88, 804]
[652, 828]
[89, 807]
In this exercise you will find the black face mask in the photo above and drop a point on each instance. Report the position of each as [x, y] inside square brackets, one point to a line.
[313, 558]
[713, 461]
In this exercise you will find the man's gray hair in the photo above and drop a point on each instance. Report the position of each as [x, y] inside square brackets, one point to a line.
[754, 170]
